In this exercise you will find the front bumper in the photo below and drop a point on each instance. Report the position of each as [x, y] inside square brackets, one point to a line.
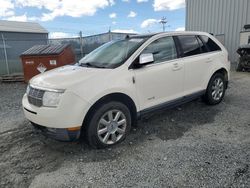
[59, 134]
[70, 112]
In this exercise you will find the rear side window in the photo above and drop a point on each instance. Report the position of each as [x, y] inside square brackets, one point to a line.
[190, 45]
[211, 45]
[163, 49]
[203, 47]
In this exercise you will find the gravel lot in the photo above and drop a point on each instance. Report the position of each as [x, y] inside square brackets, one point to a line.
[191, 146]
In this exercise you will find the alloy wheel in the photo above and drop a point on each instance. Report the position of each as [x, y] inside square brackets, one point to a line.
[111, 127]
[217, 89]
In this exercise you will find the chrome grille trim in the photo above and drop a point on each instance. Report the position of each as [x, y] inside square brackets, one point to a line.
[48, 89]
[35, 96]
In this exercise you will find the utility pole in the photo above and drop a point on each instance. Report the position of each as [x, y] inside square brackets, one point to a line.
[5, 54]
[109, 33]
[81, 43]
[163, 21]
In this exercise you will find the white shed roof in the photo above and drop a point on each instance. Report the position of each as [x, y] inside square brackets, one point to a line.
[23, 27]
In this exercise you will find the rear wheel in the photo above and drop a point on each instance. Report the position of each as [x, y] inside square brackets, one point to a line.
[108, 125]
[215, 89]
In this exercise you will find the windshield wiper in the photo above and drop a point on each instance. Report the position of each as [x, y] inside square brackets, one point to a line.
[91, 65]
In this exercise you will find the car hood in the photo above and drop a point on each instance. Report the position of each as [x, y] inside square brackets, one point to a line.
[66, 76]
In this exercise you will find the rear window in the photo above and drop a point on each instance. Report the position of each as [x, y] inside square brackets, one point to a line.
[190, 45]
[211, 45]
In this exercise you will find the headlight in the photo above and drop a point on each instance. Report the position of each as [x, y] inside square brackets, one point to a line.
[51, 98]
[28, 89]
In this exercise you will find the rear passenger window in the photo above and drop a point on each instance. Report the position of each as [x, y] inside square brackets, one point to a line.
[190, 45]
[203, 47]
[211, 45]
[163, 49]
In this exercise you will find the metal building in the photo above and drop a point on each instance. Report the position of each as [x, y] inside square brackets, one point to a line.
[224, 18]
[15, 38]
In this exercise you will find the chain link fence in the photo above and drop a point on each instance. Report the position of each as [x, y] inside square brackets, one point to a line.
[85, 45]
[12, 48]
[12, 45]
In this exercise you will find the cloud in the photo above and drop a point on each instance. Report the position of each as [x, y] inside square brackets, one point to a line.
[6, 9]
[55, 8]
[112, 15]
[114, 23]
[54, 35]
[111, 2]
[148, 23]
[142, 1]
[22, 18]
[75, 8]
[124, 31]
[160, 5]
[180, 29]
[132, 14]
[126, 1]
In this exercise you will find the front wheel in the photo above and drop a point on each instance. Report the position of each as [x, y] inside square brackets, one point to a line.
[215, 89]
[108, 125]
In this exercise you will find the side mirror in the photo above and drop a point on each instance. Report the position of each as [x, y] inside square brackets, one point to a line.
[146, 58]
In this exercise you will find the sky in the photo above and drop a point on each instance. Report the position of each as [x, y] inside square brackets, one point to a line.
[66, 18]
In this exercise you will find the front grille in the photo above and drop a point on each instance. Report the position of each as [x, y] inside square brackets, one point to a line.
[35, 96]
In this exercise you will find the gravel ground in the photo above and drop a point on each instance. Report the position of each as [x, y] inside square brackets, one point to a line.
[193, 145]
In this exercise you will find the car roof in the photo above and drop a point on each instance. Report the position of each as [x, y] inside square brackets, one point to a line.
[171, 33]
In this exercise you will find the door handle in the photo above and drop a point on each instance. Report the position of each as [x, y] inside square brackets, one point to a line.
[209, 60]
[176, 66]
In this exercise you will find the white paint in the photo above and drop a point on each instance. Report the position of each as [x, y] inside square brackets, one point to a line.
[52, 62]
[29, 62]
[41, 68]
[154, 83]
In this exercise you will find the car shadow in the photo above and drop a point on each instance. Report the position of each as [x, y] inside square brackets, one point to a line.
[173, 123]
[28, 153]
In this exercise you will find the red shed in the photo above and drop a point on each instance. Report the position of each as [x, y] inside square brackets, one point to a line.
[41, 58]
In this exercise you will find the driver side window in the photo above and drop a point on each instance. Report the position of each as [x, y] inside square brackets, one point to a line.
[163, 49]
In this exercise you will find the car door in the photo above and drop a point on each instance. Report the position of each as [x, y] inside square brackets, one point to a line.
[162, 80]
[196, 64]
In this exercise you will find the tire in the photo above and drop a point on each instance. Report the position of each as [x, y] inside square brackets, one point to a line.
[239, 67]
[112, 120]
[215, 90]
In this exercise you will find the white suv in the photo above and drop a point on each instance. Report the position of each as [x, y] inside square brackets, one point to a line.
[102, 96]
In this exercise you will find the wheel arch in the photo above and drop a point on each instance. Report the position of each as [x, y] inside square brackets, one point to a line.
[222, 71]
[119, 97]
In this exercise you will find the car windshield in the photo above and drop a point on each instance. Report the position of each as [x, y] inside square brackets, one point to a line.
[111, 54]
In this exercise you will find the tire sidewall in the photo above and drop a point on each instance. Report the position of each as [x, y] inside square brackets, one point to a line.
[92, 136]
[209, 89]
